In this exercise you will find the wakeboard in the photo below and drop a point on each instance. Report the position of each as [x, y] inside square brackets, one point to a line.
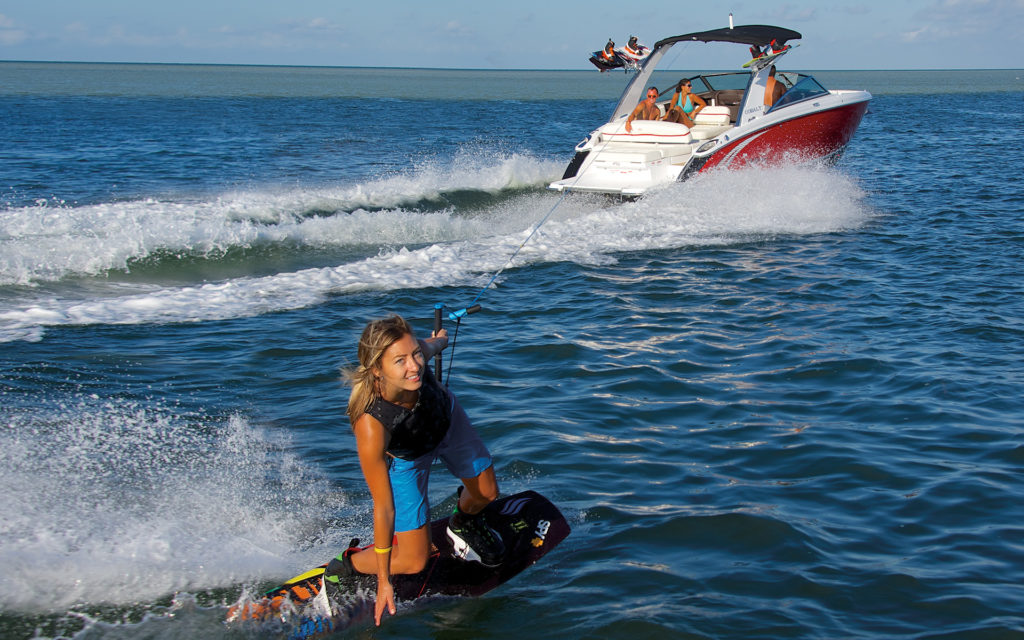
[528, 523]
[765, 59]
[604, 64]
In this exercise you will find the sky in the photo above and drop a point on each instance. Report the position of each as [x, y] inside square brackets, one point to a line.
[524, 34]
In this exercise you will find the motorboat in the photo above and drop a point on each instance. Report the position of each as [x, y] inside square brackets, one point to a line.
[742, 125]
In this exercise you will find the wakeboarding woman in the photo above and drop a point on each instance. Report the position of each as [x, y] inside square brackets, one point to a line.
[403, 420]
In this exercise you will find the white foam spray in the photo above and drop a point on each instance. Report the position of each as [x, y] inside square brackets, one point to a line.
[109, 501]
[408, 249]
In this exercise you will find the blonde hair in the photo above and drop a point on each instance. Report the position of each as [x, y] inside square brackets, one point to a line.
[377, 337]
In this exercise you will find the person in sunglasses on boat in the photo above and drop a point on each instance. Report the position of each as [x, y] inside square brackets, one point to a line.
[403, 420]
[685, 104]
[646, 110]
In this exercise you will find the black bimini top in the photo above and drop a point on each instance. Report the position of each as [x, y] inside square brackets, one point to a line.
[751, 34]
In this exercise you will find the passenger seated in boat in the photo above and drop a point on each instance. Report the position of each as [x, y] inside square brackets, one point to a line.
[646, 110]
[685, 105]
[773, 89]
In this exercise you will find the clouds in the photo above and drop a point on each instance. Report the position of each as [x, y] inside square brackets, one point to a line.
[794, 13]
[951, 20]
[962, 34]
[525, 34]
[83, 35]
[456, 29]
[855, 9]
[10, 33]
[141, 38]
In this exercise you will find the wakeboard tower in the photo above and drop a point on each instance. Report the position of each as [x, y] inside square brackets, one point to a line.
[309, 607]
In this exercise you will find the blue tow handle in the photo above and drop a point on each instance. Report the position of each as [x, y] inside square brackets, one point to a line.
[455, 315]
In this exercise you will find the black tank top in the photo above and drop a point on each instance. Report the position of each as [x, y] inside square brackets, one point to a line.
[419, 430]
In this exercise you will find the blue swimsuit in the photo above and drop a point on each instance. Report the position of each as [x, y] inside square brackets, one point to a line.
[688, 107]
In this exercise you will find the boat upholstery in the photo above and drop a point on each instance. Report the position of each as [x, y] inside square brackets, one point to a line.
[646, 131]
[711, 122]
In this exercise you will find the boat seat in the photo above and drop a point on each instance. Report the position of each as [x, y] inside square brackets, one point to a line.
[649, 131]
[711, 122]
[713, 114]
[730, 98]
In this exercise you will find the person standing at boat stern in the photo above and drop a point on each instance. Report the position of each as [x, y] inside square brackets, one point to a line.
[403, 420]
[646, 110]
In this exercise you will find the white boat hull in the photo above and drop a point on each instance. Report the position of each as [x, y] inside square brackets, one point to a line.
[736, 129]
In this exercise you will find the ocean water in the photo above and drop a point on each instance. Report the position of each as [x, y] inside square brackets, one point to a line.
[772, 403]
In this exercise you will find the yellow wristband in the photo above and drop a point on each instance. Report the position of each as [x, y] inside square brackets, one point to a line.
[384, 550]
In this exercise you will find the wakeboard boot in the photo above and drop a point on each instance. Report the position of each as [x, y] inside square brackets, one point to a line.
[473, 539]
[340, 568]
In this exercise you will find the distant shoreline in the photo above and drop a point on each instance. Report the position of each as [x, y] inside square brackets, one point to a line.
[474, 69]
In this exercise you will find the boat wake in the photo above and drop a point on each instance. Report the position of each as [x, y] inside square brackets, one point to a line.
[54, 241]
[248, 254]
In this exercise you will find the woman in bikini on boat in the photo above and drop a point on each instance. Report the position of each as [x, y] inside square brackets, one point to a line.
[685, 105]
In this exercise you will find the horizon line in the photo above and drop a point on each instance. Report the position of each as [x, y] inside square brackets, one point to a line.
[320, 66]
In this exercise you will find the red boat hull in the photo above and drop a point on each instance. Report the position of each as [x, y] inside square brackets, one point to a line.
[812, 136]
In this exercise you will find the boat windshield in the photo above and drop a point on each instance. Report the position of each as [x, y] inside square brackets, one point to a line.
[805, 88]
[721, 82]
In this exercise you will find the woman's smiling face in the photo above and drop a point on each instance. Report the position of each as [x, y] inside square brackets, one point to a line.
[401, 367]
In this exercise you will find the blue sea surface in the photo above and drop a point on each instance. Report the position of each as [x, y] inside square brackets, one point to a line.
[772, 403]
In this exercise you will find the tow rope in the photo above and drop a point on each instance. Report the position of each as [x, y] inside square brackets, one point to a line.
[473, 307]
